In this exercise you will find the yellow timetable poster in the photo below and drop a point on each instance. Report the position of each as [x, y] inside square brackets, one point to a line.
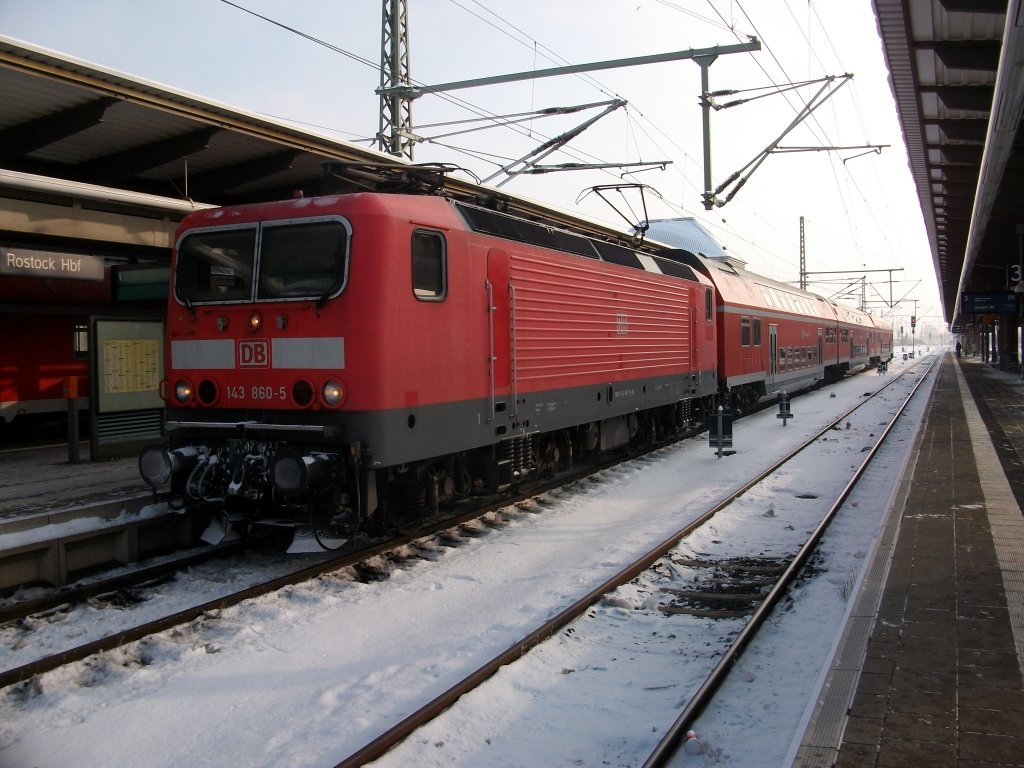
[130, 365]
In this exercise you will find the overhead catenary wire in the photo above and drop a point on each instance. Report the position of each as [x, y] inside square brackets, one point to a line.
[481, 113]
[366, 62]
[638, 123]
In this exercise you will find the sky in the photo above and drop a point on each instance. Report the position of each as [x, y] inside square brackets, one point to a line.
[305, 676]
[861, 211]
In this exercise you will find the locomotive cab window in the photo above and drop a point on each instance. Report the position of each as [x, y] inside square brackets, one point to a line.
[429, 269]
[708, 304]
[303, 260]
[215, 265]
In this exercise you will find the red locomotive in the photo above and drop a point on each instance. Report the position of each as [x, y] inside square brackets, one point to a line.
[369, 352]
[349, 358]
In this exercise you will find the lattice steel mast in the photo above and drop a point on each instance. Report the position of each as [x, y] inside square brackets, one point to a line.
[394, 132]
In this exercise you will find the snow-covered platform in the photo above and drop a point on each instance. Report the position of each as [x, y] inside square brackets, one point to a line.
[38, 480]
[58, 518]
[929, 669]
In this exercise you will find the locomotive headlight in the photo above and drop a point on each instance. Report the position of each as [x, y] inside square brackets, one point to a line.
[333, 393]
[254, 321]
[183, 391]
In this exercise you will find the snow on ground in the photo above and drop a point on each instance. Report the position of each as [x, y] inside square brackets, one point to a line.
[308, 675]
[73, 625]
[593, 695]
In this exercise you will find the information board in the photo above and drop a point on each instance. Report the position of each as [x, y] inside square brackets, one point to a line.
[992, 303]
[126, 366]
[130, 364]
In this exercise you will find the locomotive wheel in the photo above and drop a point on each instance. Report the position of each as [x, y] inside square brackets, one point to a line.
[565, 449]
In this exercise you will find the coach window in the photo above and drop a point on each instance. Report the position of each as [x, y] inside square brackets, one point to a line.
[80, 340]
[429, 278]
[757, 331]
[745, 331]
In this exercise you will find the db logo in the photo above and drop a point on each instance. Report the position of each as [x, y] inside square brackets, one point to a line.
[254, 354]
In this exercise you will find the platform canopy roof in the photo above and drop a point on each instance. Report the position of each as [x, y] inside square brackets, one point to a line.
[69, 128]
[957, 71]
[67, 119]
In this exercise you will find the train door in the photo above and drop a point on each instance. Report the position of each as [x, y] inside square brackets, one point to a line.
[499, 363]
[821, 348]
[773, 355]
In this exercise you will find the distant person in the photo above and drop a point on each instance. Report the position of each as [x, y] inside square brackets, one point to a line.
[959, 349]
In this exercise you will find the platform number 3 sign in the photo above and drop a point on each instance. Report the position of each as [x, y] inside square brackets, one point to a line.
[1013, 274]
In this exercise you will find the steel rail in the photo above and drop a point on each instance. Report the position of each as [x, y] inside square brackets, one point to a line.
[676, 733]
[81, 592]
[49, 663]
[350, 558]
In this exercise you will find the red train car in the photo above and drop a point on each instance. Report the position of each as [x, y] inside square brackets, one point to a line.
[48, 348]
[365, 353]
[34, 364]
[864, 340]
[773, 337]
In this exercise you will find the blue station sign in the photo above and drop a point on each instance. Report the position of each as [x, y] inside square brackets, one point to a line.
[992, 303]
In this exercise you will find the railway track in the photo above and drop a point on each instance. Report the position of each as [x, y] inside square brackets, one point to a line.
[123, 589]
[367, 565]
[131, 587]
[60, 597]
[366, 561]
[750, 586]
